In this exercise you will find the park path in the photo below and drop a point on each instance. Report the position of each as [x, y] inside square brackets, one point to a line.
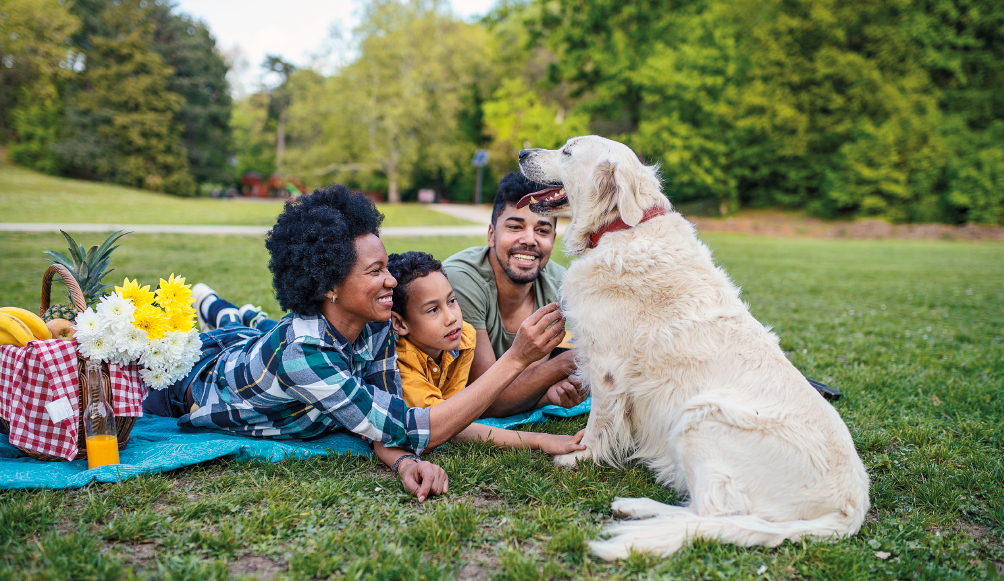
[481, 215]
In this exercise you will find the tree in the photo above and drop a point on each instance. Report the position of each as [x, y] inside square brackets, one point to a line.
[395, 109]
[279, 102]
[518, 118]
[200, 78]
[124, 102]
[35, 39]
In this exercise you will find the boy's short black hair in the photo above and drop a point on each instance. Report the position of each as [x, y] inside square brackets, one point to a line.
[312, 245]
[406, 267]
[512, 188]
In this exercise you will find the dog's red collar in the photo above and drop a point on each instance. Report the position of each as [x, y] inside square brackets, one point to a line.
[618, 224]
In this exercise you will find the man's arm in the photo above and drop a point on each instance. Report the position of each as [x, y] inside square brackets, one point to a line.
[529, 386]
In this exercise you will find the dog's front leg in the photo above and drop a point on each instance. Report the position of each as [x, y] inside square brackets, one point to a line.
[607, 437]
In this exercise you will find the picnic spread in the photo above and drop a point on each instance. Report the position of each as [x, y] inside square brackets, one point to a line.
[73, 380]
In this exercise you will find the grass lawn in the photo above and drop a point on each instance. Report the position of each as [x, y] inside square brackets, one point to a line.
[912, 332]
[29, 196]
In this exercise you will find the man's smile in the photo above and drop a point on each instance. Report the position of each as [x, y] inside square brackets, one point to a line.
[523, 258]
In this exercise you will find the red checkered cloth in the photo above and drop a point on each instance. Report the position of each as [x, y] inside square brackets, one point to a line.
[46, 371]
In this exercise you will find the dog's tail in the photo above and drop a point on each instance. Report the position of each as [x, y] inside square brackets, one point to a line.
[669, 528]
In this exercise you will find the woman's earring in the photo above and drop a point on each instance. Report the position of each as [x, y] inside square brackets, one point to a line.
[333, 299]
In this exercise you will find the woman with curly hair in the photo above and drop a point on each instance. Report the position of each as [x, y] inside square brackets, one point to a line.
[330, 363]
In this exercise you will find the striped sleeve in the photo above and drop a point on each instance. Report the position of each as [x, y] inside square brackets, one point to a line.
[322, 378]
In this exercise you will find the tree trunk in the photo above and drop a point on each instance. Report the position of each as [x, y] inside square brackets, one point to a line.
[280, 141]
[393, 196]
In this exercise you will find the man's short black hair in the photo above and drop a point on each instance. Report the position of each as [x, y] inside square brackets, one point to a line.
[512, 188]
[312, 245]
[406, 267]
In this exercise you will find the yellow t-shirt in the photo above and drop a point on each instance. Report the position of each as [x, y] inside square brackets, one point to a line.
[425, 382]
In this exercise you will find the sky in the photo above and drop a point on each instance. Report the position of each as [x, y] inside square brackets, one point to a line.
[297, 30]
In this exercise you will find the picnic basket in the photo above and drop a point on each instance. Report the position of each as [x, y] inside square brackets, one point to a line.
[123, 424]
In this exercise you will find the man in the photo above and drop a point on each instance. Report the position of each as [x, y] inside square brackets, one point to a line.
[499, 285]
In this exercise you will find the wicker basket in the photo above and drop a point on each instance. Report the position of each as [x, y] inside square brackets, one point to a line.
[123, 424]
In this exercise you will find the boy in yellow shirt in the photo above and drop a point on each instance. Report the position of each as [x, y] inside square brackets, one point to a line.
[435, 349]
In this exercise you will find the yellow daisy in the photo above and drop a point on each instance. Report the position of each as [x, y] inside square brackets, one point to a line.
[140, 295]
[174, 292]
[151, 320]
[181, 318]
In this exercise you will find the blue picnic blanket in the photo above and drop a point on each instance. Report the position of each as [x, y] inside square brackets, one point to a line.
[159, 445]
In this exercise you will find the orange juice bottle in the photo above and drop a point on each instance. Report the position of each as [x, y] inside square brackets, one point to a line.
[99, 421]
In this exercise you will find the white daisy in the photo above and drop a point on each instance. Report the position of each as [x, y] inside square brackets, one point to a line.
[116, 310]
[133, 341]
[155, 378]
[88, 323]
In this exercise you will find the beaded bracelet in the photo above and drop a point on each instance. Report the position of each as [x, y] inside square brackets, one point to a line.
[405, 457]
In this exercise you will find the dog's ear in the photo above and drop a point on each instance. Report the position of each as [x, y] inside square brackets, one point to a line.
[622, 188]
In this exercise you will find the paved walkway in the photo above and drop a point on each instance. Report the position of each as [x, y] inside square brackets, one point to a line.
[480, 214]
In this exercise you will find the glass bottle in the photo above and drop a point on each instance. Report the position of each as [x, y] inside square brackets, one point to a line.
[100, 433]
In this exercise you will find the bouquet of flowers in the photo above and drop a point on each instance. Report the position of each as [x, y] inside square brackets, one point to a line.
[156, 329]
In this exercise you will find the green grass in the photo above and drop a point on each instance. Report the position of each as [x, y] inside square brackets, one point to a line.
[912, 332]
[29, 196]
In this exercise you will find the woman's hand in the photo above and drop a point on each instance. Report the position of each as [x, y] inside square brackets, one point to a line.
[423, 478]
[554, 444]
[539, 334]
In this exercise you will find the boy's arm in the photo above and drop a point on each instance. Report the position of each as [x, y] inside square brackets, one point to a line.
[548, 443]
[529, 386]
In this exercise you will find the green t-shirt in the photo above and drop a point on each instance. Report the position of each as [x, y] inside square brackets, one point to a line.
[473, 280]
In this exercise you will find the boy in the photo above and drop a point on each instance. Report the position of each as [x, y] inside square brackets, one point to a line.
[435, 349]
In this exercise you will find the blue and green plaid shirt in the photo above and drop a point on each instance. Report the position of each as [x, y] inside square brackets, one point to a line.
[302, 379]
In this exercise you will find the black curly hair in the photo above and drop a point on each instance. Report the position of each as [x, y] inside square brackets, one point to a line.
[512, 188]
[406, 267]
[312, 245]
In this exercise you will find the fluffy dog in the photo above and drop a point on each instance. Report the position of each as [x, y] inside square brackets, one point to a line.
[683, 378]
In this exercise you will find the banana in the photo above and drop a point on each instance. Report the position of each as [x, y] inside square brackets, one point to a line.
[18, 330]
[34, 323]
[8, 339]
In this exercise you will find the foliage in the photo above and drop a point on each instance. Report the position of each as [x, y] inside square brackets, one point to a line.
[119, 91]
[199, 76]
[126, 91]
[34, 42]
[517, 118]
[254, 136]
[397, 104]
[845, 108]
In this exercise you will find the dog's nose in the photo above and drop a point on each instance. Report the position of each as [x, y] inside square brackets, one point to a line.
[523, 153]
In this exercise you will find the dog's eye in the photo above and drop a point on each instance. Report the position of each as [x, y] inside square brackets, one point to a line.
[566, 152]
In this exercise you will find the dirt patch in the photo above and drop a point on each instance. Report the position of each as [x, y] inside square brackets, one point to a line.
[481, 565]
[255, 566]
[791, 224]
[139, 555]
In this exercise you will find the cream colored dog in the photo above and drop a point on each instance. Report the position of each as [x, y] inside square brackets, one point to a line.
[683, 377]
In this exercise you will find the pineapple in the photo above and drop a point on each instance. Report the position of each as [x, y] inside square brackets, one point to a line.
[88, 268]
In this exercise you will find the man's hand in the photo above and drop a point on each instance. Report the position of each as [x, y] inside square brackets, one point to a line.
[423, 478]
[567, 393]
[557, 444]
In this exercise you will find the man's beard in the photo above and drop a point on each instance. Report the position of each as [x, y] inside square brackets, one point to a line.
[515, 275]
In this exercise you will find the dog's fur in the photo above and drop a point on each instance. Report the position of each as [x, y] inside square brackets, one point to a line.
[684, 378]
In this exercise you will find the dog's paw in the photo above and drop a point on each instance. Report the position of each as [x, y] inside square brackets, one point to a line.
[570, 460]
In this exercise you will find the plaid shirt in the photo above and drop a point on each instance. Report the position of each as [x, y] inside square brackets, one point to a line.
[302, 379]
